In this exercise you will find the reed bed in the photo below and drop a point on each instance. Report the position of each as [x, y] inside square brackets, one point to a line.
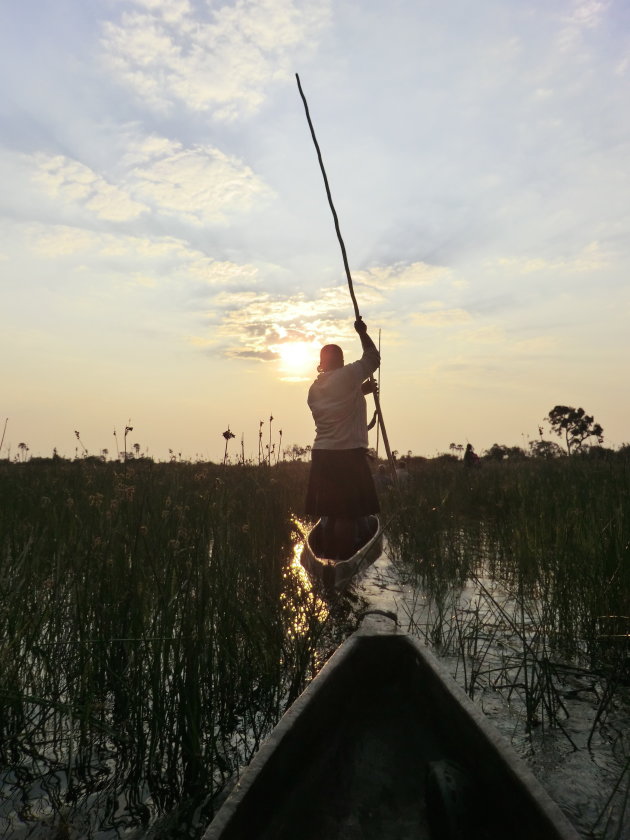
[153, 626]
[153, 629]
[523, 570]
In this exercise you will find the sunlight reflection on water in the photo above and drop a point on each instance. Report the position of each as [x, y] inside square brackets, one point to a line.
[308, 605]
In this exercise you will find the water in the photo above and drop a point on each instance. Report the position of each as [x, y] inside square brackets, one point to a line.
[579, 775]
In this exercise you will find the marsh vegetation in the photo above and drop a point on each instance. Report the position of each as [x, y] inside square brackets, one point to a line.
[153, 628]
[154, 624]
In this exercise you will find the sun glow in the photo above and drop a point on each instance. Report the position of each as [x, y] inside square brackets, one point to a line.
[298, 356]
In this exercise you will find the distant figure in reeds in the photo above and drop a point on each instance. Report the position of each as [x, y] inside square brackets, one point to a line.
[341, 488]
[402, 474]
[471, 459]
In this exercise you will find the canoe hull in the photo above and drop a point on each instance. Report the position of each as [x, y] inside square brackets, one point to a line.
[356, 757]
[337, 574]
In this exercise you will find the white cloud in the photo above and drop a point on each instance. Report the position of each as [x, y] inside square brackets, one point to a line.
[510, 346]
[222, 273]
[590, 258]
[401, 275]
[441, 318]
[140, 149]
[622, 67]
[76, 184]
[144, 247]
[200, 185]
[63, 240]
[220, 59]
[170, 10]
[254, 324]
[585, 15]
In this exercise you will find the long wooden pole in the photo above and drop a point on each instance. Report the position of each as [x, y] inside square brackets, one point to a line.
[3, 434]
[377, 401]
[380, 373]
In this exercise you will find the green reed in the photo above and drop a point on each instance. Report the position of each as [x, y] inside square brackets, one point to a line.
[152, 632]
[554, 533]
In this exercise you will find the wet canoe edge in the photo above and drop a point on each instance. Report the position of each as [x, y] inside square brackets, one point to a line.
[337, 574]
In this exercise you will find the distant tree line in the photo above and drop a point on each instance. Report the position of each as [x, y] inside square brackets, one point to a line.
[574, 426]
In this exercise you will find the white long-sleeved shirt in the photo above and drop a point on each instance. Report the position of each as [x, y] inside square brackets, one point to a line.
[338, 405]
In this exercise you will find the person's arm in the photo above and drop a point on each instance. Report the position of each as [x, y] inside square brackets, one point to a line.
[370, 386]
[371, 356]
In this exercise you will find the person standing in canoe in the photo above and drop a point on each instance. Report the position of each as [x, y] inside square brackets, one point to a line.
[341, 488]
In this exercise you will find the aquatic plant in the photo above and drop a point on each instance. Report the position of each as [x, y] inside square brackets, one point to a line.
[228, 435]
[152, 631]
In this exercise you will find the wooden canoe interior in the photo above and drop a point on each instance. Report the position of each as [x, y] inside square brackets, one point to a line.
[315, 537]
[350, 760]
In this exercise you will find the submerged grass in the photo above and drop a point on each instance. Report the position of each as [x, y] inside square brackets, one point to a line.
[152, 631]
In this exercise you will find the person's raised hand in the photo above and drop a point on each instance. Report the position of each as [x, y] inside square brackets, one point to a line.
[360, 326]
[370, 386]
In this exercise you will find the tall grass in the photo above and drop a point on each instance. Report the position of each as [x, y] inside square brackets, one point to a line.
[554, 532]
[152, 631]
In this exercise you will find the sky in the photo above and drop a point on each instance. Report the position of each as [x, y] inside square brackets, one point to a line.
[168, 258]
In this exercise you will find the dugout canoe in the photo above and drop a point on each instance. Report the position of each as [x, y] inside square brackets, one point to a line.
[337, 574]
[383, 744]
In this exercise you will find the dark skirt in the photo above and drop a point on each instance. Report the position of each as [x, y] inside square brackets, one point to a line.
[340, 484]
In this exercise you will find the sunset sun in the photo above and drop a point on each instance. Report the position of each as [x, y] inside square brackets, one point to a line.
[297, 356]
